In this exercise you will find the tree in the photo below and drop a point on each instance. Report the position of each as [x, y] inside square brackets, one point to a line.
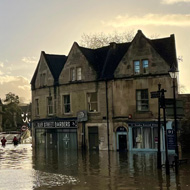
[98, 40]
[11, 98]
[11, 112]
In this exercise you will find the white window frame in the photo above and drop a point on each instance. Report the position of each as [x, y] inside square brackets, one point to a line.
[141, 101]
[79, 73]
[89, 103]
[72, 74]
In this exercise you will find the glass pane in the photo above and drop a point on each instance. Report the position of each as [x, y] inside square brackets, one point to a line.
[93, 97]
[147, 138]
[137, 138]
[79, 73]
[67, 108]
[137, 67]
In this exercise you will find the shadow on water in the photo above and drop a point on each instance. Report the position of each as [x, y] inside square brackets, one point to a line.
[42, 169]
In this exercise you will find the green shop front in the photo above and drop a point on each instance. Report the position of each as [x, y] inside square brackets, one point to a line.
[55, 133]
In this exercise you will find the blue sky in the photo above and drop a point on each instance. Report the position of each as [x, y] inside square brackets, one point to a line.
[28, 27]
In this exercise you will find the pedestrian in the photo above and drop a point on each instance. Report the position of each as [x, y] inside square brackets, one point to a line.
[3, 141]
[15, 141]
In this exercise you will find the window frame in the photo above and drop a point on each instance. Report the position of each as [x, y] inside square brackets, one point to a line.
[72, 74]
[66, 104]
[142, 100]
[145, 68]
[92, 102]
[49, 106]
[79, 74]
[37, 108]
[134, 66]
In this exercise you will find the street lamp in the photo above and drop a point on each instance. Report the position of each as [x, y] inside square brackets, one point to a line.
[25, 118]
[173, 74]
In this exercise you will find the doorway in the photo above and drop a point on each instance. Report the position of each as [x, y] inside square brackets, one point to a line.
[93, 138]
[121, 139]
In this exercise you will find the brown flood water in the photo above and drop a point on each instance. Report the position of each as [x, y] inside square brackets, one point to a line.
[22, 168]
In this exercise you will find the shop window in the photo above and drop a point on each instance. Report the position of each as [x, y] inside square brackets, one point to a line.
[79, 73]
[49, 106]
[147, 138]
[37, 110]
[142, 100]
[136, 67]
[67, 104]
[92, 102]
[137, 137]
[145, 66]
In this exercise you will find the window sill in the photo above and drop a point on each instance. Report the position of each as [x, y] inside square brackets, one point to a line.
[68, 114]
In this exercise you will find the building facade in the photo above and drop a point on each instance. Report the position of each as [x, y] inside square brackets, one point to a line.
[100, 98]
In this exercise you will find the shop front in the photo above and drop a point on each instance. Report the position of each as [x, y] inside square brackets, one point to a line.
[58, 133]
[143, 136]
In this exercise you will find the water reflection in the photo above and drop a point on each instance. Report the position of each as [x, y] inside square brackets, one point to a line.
[24, 168]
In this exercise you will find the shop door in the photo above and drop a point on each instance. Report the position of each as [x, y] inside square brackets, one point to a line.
[51, 138]
[67, 140]
[93, 138]
[122, 142]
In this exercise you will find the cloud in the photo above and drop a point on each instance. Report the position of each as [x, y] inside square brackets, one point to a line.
[17, 85]
[174, 1]
[1, 64]
[150, 19]
[29, 59]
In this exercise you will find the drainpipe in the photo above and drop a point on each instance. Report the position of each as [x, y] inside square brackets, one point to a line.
[107, 115]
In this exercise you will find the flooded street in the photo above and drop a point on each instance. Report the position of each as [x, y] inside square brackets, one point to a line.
[26, 169]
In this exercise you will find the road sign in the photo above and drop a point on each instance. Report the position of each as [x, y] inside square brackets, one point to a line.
[171, 139]
[155, 94]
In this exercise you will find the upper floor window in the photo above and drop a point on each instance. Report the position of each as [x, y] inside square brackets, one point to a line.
[49, 105]
[37, 110]
[142, 100]
[43, 79]
[136, 67]
[66, 104]
[79, 73]
[92, 102]
[72, 74]
[145, 65]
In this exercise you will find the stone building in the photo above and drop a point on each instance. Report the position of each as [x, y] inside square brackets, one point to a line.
[1, 116]
[100, 98]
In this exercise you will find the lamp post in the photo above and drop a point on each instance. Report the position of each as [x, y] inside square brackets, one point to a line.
[25, 118]
[173, 74]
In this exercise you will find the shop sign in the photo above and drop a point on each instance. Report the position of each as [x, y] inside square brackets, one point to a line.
[56, 124]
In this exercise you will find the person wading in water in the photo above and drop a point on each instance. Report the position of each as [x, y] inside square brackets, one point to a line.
[3, 141]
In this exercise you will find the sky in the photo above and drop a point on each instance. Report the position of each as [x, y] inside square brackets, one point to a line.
[28, 27]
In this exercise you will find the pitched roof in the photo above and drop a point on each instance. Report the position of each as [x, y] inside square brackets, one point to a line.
[166, 48]
[55, 64]
[106, 59]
